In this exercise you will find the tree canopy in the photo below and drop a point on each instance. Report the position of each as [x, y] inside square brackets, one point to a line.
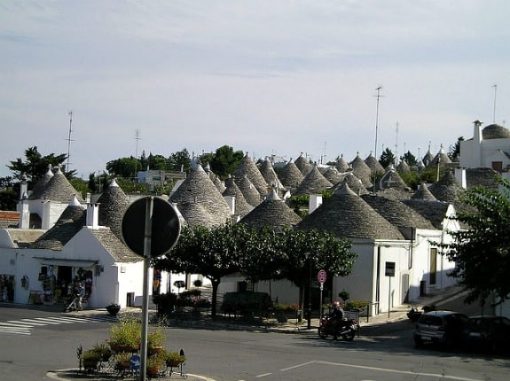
[36, 165]
[481, 253]
[387, 157]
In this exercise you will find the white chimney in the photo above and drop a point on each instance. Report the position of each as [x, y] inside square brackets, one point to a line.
[231, 201]
[87, 198]
[460, 176]
[314, 202]
[23, 192]
[92, 216]
[25, 215]
[46, 215]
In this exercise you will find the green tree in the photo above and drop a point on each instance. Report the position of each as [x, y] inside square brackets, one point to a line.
[158, 162]
[126, 167]
[409, 158]
[454, 150]
[387, 157]
[36, 165]
[213, 253]
[225, 160]
[482, 252]
[179, 160]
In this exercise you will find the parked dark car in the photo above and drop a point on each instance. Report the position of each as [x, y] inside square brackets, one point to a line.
[446, 328]
[488, 333]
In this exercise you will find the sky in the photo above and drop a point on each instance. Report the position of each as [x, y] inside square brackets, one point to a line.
[268, 77]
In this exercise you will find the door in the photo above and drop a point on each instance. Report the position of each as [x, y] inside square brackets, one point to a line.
[433, 266]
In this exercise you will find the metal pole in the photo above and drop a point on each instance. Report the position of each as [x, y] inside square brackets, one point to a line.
[320, 305]
[149, 206]
[389, 296]
[309, 293]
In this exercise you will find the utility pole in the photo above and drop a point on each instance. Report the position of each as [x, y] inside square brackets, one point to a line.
[378, 96]
[69, 140]
[494, 111]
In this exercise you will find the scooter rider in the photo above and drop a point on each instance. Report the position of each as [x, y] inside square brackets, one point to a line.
[337, 316]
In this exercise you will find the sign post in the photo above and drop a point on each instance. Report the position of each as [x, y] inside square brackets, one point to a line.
[390, 273]
[155, 237]
[322, 276]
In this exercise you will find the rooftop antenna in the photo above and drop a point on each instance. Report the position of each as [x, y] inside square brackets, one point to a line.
[323, 152]
[494, 111]
[396, 143]
[69, 140]
[378, 96]
[137, 138]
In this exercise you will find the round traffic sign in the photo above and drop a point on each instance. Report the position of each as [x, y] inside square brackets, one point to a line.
[165, 231]
[322, 276]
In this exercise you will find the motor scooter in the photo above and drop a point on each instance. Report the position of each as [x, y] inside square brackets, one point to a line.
[345, 328]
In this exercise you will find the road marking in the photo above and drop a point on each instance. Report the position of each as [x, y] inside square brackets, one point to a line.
[53, 320]
[408, 372]
[26, 323]
[40, 320]
[297, 366]
[5, 323]
[15, 330]
[263, 375]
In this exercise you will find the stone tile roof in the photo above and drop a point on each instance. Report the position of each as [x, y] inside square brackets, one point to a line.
[362, 171]
[58, 188]
[199, 188]
[423, 193]
[242, 207]
[427, 159]
[374, 165]
[67, 226]
[313, 183]
[495, 131]
[24, 237]
[118, 250]
[196, 214]
[250, 193]
[40, 186]
[391, 179]
[347, 215]
[434, 211]
[447, 188]
[398, 213]
[441, 158]
[332, 175]
[272, 212]
[403, 167]
[485, 177]
[249, 168]
[342, 165]
[269, 174]
[303, 165]
[290, 175]
[113, 202]
[215, 179]
[355, 184]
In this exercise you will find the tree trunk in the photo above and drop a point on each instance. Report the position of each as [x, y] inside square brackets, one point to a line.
[301, 302]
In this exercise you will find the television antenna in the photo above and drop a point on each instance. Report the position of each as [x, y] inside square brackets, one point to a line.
[137, 138]
[494, 110]
[69, 140]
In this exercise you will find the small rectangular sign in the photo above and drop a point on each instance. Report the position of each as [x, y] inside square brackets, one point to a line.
[390, 269]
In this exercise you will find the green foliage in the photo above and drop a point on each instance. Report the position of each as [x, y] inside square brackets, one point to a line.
[174, 359]
[80, 185]
[246, 303]
[409, 158]
[126, 167]
[356, 305]
[130, 186]
[225, 160]
[125, 335]
[481, 253]
[179, 160]
[286, 308]
[387, 157]
[36, 165]
[157, 162]
[412, 179]
[454, 150]
[165, 303]
[90, 360]
[8, 199]
[344, 295]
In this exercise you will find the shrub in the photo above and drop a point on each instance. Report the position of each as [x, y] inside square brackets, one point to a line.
[125, 336]
[156, 340]
[122, 361]
[165, 303]
[246, 303]
[103, 350]
[286, 308]
[90, 360]
[174, 359]
[356, 305]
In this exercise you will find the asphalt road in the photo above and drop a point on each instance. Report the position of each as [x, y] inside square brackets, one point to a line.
[382, 354]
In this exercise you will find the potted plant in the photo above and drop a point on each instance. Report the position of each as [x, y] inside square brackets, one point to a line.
[125, 336]
[155, 365]
[174, 359]
[122, 362]
[90, 360]
[103, 350]
[113, 309]
[156, 341]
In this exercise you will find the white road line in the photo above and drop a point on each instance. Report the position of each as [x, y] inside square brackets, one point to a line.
[41, 320]
[408, 372]
[5, 323]
[297, 366]
[55, 320]
[263, 375]
[25, 322]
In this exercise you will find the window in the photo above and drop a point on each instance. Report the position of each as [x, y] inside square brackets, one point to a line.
[433, 266]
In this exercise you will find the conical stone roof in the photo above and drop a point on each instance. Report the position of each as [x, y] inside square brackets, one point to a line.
[355, 184]
[40, 186]
[250, 193]
[58, 188]
[249, 168]
[272, 212]
[242, 207]
[374, 165]
[199, 188]
[447, 188]
[333, 176]
[303, 165]
[313, 183]
[70, 222]
[423, 193]
[391, 179]
[196, 214]
[290, 175]
[347, 215]
[113, 202]
[434, 211]
[362, 171]
[441, 158]
[398, 214]
[403, 167]
[342, 165]
[269, 174]
[427, 159]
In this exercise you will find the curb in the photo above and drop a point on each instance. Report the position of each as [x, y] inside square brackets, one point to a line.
[60, 374]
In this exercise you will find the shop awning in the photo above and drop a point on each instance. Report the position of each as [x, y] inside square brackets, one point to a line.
[67, 262]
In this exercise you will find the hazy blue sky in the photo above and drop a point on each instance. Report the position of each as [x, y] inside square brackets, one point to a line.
[266, 77]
